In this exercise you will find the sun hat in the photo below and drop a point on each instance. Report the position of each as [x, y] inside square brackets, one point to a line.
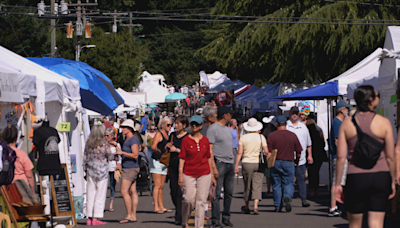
[128, 123]
[271, 120]
[197, 119]
[252, 125]
[281, 120]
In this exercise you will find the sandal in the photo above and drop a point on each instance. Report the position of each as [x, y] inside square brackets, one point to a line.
[256, 212]
[159, 212]
[111, 210]
[167, 211]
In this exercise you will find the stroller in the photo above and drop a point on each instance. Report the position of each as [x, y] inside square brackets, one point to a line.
[144, 182]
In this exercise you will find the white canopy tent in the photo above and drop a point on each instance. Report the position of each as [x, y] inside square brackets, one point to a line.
[388, 76]
[58, 98]
[129, 99]
[366, 68]
[212, 80]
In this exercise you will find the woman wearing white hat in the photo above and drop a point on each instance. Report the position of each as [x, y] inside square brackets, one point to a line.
[250, 146]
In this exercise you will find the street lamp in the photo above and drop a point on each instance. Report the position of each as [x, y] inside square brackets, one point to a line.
[79, 49]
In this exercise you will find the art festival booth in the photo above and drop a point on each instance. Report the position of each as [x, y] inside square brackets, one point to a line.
[58, 100]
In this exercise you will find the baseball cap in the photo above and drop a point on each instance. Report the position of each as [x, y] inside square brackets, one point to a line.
[294, 109]
[197, 119]
[342, 104]
[281, 120]
[223, 110]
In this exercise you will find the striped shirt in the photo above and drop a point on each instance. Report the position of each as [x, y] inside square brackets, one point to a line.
[303, 135]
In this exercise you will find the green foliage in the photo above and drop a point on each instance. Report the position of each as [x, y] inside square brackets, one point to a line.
[116, 55]
[275, 52]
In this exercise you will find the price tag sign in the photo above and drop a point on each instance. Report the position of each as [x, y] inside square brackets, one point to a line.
[64, 127]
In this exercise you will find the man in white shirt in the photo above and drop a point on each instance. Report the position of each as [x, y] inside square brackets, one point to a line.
[294, 125]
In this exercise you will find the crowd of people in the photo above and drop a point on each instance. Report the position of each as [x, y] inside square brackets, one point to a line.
[201, 154]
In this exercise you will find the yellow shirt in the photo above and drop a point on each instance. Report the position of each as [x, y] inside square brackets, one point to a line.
[251, 143]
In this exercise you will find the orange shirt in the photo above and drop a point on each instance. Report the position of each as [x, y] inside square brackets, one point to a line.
[22, 164]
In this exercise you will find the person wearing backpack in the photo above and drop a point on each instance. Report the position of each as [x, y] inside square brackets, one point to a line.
[23, 165]
[367, 138]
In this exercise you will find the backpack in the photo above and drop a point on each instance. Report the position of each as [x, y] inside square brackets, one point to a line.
[367, 149]
[8, 158]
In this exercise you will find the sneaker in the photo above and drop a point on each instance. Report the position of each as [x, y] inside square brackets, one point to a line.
[288, 205]
[334, 212]
[88, 222]
[304, 203]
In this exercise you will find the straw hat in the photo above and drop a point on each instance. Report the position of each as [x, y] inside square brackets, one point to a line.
[252, 125]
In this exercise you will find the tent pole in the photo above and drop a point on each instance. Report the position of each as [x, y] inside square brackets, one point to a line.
[328, 101]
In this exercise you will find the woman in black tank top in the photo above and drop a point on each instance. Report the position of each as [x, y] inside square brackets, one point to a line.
[158, 170]
[176, 193]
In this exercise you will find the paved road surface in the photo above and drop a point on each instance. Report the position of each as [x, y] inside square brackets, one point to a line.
[313, 216]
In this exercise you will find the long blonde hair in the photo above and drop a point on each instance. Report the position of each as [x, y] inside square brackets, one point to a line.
[96, 136]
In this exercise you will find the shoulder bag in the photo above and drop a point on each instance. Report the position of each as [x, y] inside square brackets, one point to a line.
[367, 149]
[166, 157]
[262, 164]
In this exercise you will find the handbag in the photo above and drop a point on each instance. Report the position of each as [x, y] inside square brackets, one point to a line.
[367, 149]
[166, 157]
[212, 192]
[262, 164]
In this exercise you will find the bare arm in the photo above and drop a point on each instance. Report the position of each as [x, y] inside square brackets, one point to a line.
[156, 140]
[397, 150]
[239, 156]
[309, 158]
[180, 170]
[389, 149]
[214, 166]
[341, 154]
[31, 180]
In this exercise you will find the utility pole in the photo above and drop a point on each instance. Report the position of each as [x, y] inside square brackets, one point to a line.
[115, 14]
[78, 34]
[52, 28]
[130, 25]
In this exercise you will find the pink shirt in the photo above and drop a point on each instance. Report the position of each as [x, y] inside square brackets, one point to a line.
[22, 164]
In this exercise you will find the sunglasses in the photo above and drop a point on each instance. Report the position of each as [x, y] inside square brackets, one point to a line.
[378, 95]
[169, 125]
[152, 129]
[106, 135]
[194, 124]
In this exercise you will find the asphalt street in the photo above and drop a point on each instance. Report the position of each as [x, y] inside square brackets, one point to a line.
[314, 216]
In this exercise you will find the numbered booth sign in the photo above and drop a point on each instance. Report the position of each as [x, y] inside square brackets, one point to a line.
[64, 127]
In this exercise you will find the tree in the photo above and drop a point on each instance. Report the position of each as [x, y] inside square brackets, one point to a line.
[295, 52]
[116, 55]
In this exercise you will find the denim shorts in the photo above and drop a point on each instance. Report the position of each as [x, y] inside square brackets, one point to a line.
[157, 167]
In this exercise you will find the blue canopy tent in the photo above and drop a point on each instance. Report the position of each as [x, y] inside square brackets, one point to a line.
[50, 61]
[252, 89]
[319, 92]
[227, 85]
[94, 94]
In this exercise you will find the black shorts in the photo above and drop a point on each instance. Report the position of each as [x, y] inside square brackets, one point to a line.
[367, 192]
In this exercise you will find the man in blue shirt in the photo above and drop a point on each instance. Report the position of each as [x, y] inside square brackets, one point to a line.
[342, 110]
[235, 138]
[143, 124]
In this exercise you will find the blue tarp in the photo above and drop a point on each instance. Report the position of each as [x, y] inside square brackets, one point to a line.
[102, 77]
[94, 94]
[319, 92]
